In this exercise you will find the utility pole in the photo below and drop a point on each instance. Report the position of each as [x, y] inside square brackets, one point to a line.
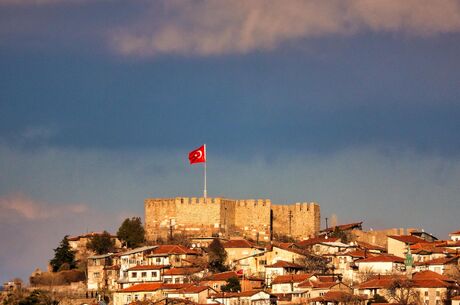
[290, 222]
[326, 227]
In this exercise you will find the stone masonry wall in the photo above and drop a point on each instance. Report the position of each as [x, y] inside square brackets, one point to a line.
[300, 220]
[230, 217]
[252, 217]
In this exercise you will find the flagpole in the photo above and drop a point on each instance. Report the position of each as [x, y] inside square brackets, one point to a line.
[205, 192]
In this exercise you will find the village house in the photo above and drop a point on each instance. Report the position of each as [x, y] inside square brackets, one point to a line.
[318, 289]
[281, 268]
[145, 274]
[132, 258]
[247, 283]
[174, 255]
[217, 280]
[255, 297]
[344, 263]
[196, 294]
[440, 265]
[309, 244]
[429, 287]
[455, 236]
[380, 264]
[253, 264]
[288, 284]
[338, 297]
[79, 244]
[456, 300]
[239, 250]
[145, 292]
[182, 275]
[97, 278]
[398, 244]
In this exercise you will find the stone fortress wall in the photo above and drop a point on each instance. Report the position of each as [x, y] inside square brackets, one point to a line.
[254, 218]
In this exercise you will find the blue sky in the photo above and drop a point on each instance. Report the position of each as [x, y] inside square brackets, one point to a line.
[353, 104]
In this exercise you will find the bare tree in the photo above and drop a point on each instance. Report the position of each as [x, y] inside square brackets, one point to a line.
[402, 291]
[313, 263]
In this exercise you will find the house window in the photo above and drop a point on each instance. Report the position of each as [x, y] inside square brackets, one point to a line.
[136, 297]
[177, 280]
[96, 275]
[144, 274]
[154, 274]
[134, 274]
[158, 260]
[426, 293]
[262, 262]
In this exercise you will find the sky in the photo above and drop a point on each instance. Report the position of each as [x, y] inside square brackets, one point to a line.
[354, 104]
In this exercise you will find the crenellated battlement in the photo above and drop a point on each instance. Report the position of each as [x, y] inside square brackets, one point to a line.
[211, 215]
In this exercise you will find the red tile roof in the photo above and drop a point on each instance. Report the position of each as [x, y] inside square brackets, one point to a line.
[337, 296]
[193, 289]
[368, 246]
[172, 249]
[388, 258]
[434, 283]
[429, 275]
[358, 253]
[424, 279]
[378, 283]
[455, 233]
[408, 239]
[221, 276]
[291, 278]
[316, 240]
[143, 287]
[181, 271]
[236, 294]
[238, 243]
[440, 261]
[284, 264]
[317, 284]
[148, 267]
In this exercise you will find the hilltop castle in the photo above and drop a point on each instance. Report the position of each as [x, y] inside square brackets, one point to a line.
[255, 218]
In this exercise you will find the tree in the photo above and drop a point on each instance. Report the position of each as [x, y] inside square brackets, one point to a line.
[64, 256]
[232, 285]
[101, 243]
[377, 298]
[313, 263]
[131, 232]
[402, 291]
[217, 256]
[38, 297]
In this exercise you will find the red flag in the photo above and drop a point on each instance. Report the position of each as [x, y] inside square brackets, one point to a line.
[198, 155]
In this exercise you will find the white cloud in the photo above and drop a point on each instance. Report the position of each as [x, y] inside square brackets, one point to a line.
[35, 2]
[21, 206]
[222, 27]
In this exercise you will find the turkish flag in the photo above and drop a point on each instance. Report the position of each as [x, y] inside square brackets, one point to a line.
[198, 155]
